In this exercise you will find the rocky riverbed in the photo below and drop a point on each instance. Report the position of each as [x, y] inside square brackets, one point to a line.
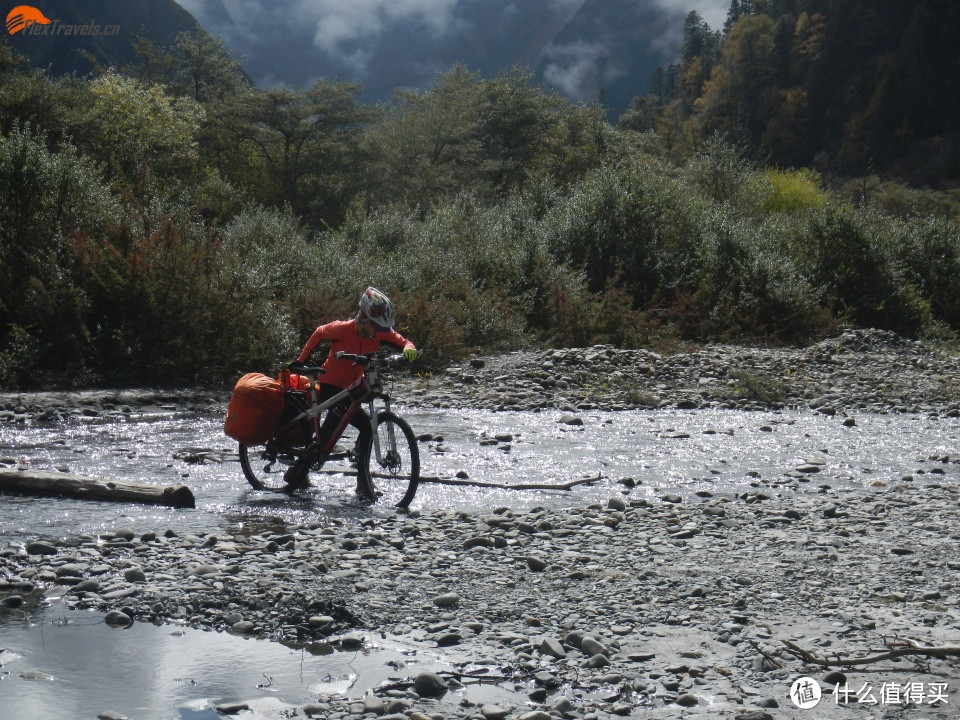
[666, 609]
[861, 370]
[672, 606]
[864, 370]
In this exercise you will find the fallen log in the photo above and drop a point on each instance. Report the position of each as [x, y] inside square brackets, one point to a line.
[54, 484]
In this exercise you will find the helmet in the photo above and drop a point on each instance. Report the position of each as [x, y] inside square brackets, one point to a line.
[377, 308]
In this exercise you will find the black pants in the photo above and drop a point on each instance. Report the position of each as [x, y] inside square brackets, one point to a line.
[361, 420]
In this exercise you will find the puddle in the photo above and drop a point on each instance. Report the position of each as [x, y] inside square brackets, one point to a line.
[74, 666]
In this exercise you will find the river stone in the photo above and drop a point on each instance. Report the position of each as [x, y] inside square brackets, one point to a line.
[232, 709]
[493, 712]
[111, 715]
[551, 646]
[447, 600]
[13, 601]
[536, 564]
[616, 503]
[429, 684]
[449, 639]
[244, 627]
[115, 618]
[598, 661]
[71, 570]
[351, 642]
[373, 704]
[134, 574]
[41, 548]
[591, 646]
[536, 715]
[37, 675]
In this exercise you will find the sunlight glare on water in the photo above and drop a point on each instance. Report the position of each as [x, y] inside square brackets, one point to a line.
[668, 450]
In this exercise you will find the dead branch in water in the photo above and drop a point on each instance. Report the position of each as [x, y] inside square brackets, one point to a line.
[898, 649]
[478, 483]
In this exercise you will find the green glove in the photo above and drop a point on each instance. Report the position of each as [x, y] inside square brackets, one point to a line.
[410, 354]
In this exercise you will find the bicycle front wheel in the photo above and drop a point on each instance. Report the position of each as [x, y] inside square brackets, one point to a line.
[389, 465]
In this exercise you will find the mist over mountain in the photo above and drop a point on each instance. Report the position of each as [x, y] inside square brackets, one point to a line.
[587, 49]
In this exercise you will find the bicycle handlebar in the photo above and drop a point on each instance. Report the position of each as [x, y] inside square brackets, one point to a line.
[366, 360]
[305, 369]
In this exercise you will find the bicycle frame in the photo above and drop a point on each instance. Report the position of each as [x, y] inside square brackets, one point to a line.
[359, 390]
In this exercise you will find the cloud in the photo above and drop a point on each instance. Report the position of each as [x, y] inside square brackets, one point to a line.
[714, 12]
[336, 23]
[575, 69]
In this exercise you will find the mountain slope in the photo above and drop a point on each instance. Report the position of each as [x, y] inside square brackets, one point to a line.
[581, 47]
[62, 50]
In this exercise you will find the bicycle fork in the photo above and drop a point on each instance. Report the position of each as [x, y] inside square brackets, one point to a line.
[391, 436]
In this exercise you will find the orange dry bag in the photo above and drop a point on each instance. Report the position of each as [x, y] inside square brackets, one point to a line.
[254, 410]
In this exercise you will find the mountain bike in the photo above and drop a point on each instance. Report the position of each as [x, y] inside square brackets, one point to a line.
[388, 463]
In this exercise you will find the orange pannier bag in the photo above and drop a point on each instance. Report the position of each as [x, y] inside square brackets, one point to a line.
[253, 413]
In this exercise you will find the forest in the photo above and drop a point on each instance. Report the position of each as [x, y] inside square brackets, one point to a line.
[168, 223]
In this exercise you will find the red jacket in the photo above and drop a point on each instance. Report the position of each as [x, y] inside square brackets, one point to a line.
[343, 336]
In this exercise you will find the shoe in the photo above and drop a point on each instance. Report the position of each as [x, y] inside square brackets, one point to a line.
[298, 475]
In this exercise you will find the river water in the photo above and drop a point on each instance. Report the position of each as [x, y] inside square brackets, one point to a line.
[664, 451]
[716, 451]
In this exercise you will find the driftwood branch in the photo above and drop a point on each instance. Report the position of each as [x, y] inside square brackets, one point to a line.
[478, 483]
[899, 649]
[771, 660]
[53, 484]
[514, 486]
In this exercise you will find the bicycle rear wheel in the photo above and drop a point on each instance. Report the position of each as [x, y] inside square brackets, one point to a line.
[393, 477]
[264, 468]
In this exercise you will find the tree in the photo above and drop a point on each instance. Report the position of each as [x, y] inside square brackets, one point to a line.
[427, 145]
[737, 99]
[305, 141]
[204, 70]
[138, 125]
[50, 202]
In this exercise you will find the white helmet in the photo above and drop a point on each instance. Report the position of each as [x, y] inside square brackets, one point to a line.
[377, 308]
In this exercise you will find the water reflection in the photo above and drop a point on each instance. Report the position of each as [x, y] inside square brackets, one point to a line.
[74, 666]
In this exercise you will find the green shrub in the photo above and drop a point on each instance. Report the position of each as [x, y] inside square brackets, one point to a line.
[51, 202]
[787, 191]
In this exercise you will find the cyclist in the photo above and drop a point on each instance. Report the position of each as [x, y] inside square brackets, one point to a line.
[360, 335]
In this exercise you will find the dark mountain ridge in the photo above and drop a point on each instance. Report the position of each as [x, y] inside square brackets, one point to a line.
[589, 50]
[62, 49]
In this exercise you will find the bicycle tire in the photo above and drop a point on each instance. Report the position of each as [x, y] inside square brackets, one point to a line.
[270, 476]
[395, 480]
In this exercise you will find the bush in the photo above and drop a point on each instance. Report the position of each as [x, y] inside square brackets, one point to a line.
[51, 202]
[634, 222]
[851, 254]
[787, 191]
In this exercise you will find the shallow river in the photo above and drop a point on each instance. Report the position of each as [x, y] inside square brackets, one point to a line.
[682, 452]
[668, 450]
